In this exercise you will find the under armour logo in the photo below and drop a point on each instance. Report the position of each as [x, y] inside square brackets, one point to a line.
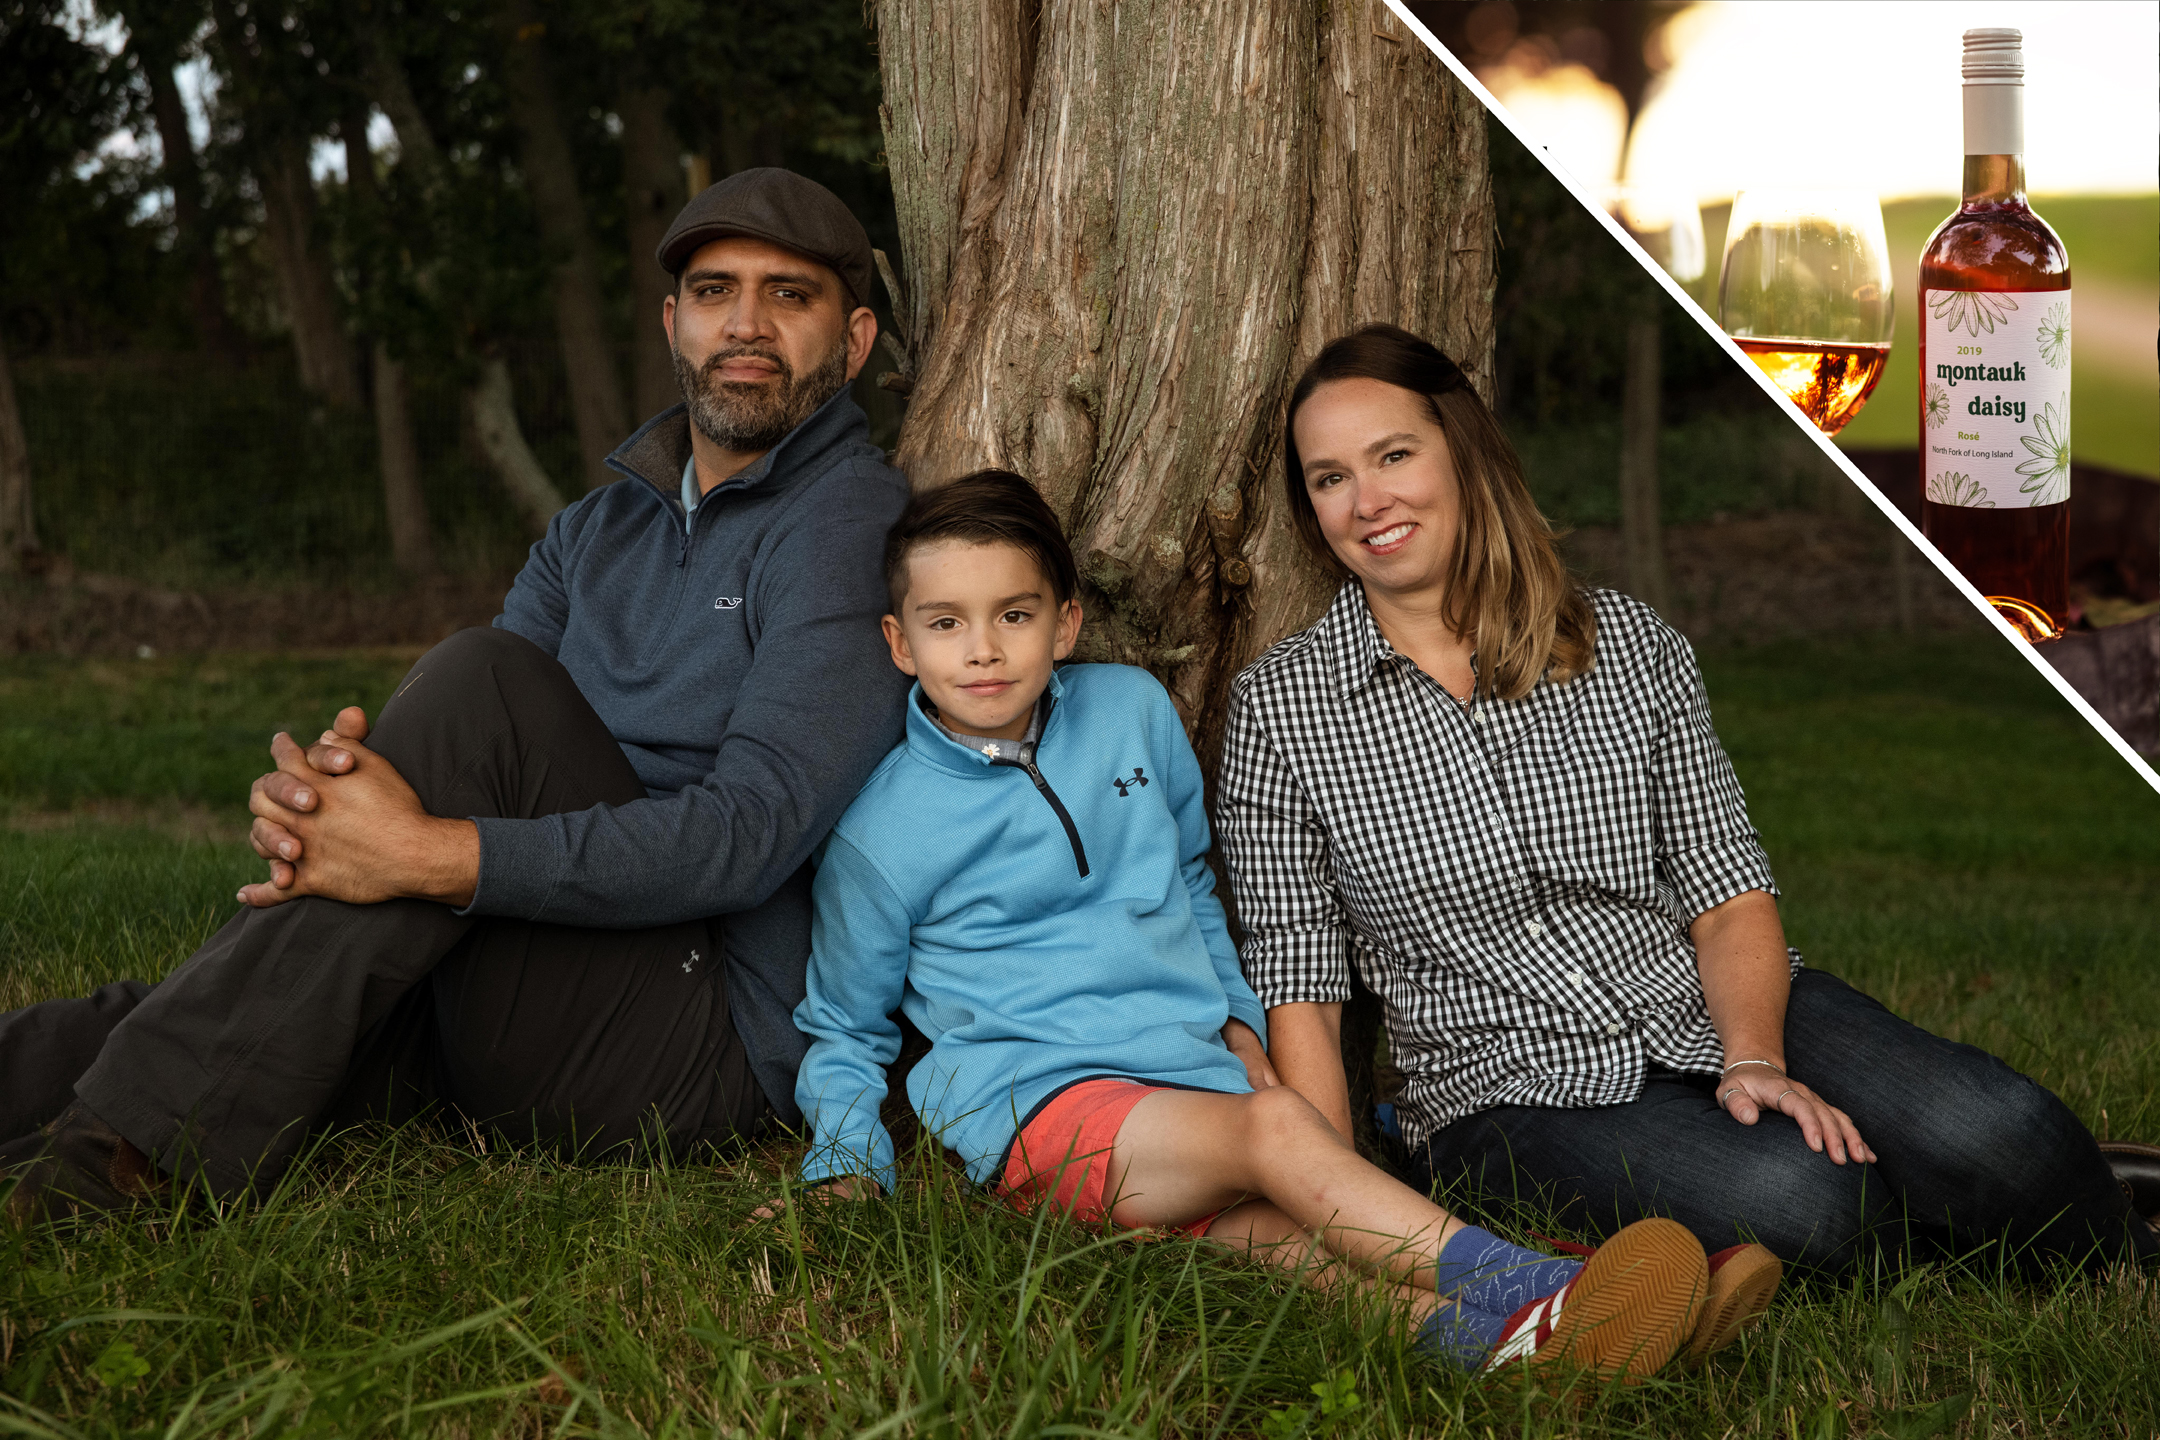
[690, 963]
[1124, 785]
[726, 602]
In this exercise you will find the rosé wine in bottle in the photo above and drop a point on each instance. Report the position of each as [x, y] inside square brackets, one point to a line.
[1995, 364]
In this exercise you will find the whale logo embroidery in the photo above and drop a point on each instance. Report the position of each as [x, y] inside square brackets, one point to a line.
[726, 602]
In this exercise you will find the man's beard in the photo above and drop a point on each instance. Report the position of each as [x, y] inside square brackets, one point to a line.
[740, 416]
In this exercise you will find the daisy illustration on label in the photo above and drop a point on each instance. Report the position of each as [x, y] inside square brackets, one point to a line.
[1978, 311]
[2055, 336]
[1952, 488]
[2047, 473]
[1938, 406]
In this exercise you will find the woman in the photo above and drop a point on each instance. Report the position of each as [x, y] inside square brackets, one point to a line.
[1502, 794]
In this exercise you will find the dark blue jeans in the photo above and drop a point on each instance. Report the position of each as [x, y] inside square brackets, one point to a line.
[1969, 1152]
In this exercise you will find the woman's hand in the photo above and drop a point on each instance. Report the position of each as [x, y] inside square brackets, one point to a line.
[1746, 1091]
[839, 1187]
[1246, 1046]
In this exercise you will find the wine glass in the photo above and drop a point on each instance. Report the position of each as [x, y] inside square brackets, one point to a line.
[1666, 222]
[1805, 291]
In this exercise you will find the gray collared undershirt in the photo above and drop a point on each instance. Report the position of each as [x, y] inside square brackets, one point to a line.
[1022, 750]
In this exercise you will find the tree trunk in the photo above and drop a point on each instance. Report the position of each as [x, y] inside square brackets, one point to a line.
[397, 447]
[196, 242]
[494, 418]
[1641, 534]
[324, 351]
[404, 499]
[652, 193]
[18, 524]
[393, 94]
[596, 398]
[1117, 259]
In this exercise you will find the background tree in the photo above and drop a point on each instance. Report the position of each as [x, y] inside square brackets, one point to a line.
[272, 104]
[551, 179]
[58, 98]
[159, 35]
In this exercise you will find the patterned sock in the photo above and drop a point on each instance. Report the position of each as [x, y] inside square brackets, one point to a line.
[1480, 1269]
[1460, 1334]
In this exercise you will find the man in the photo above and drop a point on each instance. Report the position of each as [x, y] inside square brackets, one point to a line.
[561, 886]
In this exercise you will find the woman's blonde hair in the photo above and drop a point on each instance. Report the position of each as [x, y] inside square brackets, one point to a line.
[1507, 589]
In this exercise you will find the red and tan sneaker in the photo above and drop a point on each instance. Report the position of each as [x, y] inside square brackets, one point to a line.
[1743, 1278]
[1635, 1303]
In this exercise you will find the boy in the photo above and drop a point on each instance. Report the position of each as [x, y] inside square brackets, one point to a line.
[1024, 877]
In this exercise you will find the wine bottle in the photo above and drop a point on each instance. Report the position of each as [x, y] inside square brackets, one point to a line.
[1995, 364]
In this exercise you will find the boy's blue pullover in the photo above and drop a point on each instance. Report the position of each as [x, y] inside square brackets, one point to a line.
[952, 890]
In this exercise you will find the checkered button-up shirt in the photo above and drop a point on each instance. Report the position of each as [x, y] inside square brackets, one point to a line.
[1513, 880]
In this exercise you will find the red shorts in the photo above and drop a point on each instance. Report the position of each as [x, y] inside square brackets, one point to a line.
[1063, 1154]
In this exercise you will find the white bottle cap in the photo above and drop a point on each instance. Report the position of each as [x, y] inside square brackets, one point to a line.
[1994, 92]
[1994, 57]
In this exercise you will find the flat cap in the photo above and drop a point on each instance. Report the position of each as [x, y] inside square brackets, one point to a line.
[769, 203]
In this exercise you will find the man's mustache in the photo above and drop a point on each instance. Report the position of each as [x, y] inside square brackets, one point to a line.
[782, 371]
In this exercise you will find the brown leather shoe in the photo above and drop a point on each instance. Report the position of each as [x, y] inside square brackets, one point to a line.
[2137, 1170]
[76, 1163]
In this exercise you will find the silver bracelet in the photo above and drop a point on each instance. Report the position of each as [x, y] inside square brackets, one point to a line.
[1738, 1063]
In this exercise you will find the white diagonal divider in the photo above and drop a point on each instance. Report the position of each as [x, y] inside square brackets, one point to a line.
[1823, 443]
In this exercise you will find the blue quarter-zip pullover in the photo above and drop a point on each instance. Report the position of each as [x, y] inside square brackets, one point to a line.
[1039, 927]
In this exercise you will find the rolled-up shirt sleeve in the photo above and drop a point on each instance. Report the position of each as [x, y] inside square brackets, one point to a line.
[1297, 938]
[1706, 849]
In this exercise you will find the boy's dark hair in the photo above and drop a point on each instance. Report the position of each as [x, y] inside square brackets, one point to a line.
[989, 507]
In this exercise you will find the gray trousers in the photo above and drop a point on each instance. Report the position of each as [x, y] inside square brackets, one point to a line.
[316, 1013]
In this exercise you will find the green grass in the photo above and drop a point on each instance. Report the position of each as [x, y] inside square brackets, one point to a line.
[180, 729]
[1947, 834]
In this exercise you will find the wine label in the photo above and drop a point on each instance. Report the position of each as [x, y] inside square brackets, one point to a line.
[1995, 401]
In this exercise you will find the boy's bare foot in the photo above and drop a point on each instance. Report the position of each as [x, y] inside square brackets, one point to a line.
[1634, 1304]
[843, 1187]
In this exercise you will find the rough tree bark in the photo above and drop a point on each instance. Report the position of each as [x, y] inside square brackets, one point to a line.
[652, 193]
[1124, 229]
[596, 398]
[18, 525]
[397, 447]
